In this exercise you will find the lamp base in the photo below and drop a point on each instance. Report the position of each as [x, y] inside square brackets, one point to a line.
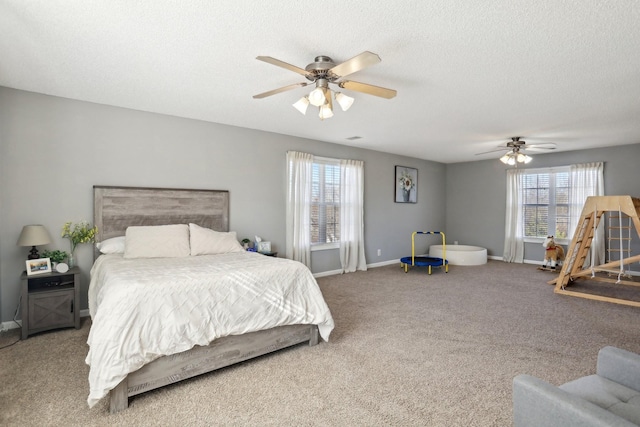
[33, 253]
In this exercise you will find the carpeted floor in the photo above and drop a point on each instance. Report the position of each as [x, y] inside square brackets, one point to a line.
[408, 349]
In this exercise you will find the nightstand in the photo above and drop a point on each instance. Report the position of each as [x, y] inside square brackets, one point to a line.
[50, 301]
[274, 254]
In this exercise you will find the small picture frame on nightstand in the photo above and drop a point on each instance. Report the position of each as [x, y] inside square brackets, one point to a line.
[264, 247]
[38, 266]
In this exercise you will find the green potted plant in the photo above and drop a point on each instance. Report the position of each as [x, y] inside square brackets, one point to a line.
[55, 256]
[245, 243]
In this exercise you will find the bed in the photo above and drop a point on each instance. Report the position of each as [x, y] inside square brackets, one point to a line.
[157, 320]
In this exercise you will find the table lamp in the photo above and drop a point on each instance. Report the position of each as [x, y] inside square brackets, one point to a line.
[34, 235]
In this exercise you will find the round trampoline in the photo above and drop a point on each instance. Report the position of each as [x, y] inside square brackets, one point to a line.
[424, 261]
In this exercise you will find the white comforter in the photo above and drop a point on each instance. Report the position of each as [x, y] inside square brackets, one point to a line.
[146, 308]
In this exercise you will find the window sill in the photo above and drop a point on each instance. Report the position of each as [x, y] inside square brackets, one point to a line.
[540, 240]
[325, 246]
[533, 240]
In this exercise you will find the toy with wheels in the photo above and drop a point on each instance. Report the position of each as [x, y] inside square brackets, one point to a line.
[425, 261]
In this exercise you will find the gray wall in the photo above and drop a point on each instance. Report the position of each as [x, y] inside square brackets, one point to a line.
[53, 150]
[476, 194]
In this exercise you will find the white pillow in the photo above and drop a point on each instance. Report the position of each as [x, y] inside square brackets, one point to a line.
[115, 245]
[205, 241]
[159, 241]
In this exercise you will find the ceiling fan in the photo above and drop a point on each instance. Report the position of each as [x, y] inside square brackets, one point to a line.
[517, 148]
[323, 71]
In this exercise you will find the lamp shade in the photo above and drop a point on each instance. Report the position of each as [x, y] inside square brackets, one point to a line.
[34, 235]
[345, 101]
[523, 158]
[302, 104]
[316, 97]
[326, 112]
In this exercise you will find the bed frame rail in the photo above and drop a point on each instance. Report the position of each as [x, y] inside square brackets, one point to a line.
[199, 360]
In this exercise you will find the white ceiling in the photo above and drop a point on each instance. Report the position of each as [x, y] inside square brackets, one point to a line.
[469, 74]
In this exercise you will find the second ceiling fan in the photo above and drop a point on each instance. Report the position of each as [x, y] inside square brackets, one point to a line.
[517, 150]
[323, 72]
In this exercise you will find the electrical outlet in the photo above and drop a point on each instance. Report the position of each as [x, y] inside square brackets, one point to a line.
[379, 252]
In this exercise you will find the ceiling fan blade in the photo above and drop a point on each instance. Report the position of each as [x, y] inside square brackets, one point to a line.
[547, 146]
[367, 88]
[277, 62]
[357, 63]
[282, 89]
[503, 149]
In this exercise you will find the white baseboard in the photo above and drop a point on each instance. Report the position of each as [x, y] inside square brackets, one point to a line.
[526, 261]
[384, 263]
[327, 273]
[5, 326]
[374, 265]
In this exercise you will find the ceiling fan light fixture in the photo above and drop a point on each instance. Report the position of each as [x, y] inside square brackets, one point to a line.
[302, 104]
[514, 157]
[345, 101]
[510, 158]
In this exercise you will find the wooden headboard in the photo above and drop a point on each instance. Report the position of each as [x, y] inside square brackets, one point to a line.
[116, 208]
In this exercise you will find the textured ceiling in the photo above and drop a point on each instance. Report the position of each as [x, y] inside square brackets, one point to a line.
[469, 74]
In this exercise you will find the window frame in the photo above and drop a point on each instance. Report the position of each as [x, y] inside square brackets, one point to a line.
[320, 246]
[551, 214]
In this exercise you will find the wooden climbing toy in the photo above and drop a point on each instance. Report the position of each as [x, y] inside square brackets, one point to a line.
[576, 256]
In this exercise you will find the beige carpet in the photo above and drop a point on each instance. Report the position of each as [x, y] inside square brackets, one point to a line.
[408, 349]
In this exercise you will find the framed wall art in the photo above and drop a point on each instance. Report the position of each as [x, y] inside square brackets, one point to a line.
[406, 185]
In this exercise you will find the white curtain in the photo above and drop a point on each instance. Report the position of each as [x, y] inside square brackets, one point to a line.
[514, 230]
[298, 215]
[587, 180]
[352, 216]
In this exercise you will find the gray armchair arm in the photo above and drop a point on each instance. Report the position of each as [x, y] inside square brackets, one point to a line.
[620, 366]
[536, 403]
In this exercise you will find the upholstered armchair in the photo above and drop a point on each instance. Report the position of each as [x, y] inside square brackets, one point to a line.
[611, 397]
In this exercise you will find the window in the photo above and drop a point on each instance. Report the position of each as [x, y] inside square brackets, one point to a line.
[549, 201]
[546, 203]
[325, 201]
[325, 209]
